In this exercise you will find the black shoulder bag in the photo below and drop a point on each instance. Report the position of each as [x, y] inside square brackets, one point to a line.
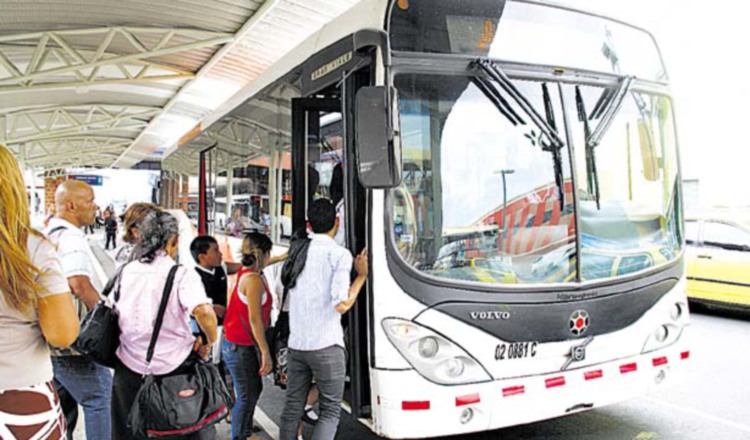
[99, 336]
[280, 345]
[182, 402]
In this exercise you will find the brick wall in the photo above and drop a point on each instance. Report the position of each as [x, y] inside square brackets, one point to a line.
[50, 186]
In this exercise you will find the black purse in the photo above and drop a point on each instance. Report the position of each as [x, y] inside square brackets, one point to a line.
[182, 402]
[99, 335]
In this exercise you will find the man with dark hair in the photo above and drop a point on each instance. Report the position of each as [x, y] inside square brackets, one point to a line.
[213, 271]
[320, 294]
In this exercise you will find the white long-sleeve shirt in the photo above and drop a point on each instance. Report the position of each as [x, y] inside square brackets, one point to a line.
[314, 322]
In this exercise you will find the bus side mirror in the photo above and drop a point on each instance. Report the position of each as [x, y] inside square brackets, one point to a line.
[378, 142]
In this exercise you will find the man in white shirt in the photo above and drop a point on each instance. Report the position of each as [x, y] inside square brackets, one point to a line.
[322, 294]
[87, 382]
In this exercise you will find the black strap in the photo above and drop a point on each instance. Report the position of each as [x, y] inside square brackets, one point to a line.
[162, 310]
[111, 284]
[59, 228]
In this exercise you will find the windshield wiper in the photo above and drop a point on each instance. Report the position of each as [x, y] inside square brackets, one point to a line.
[608, 105]
[501, 103]
[547, 127]
[556, 156]
[610, 111]
[592, 178]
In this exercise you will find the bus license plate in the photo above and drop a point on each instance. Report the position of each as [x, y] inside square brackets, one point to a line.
[515, 350]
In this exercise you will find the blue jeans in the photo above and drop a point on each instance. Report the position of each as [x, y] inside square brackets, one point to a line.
[244, 365]
[328, 367]
[90, 384]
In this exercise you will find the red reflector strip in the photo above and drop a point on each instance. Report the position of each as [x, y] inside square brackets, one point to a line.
[467, 400]
[684, 355]
[512, 391]
[415, 406]
[555, 382]
[660, 361]
[628, 368]
[591, 375]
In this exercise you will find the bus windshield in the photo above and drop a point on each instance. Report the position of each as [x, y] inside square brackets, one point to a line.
[480, 199]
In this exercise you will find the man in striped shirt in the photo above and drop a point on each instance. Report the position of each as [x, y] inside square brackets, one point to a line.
[322, 294]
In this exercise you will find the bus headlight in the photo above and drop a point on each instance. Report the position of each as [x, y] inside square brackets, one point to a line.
[453, 367]
[432, 355]
[676, 312]
[662, 336]
[428, 347]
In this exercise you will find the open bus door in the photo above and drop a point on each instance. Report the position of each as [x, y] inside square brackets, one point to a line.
[318, 139]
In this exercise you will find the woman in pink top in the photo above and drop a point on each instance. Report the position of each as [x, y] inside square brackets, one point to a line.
[36, 309]
[141, 287]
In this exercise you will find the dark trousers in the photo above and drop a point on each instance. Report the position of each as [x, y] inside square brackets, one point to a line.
[125, 386]
[328, 366]
[244, 365]
[111, 236]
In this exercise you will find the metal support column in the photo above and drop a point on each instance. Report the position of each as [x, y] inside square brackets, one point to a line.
[272, 195]
[280, 195]
[230, 188]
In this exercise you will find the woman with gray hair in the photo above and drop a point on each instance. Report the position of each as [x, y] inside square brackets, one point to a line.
[142, 283]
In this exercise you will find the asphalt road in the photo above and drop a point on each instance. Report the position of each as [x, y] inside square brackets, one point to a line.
[713, 402]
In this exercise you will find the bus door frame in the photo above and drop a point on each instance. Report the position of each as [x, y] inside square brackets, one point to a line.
[306, 120]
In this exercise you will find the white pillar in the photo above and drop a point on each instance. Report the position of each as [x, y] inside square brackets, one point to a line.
[230, 187]
[272, 195]
[280, 192]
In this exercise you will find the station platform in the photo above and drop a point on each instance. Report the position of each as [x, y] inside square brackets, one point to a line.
[268, 412]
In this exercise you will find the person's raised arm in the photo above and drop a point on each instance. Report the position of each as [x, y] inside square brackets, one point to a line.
[277, 259]
[58, 319]
[81, 287]
[252, 287]
[206, 317]
[361, 265]
[232, 268]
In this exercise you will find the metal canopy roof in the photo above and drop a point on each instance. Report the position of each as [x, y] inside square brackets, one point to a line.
[111, 82]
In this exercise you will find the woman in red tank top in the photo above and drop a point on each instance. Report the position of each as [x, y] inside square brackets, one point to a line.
[245, 349]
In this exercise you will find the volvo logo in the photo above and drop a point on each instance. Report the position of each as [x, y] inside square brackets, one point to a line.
[490, 316]
[579, 322]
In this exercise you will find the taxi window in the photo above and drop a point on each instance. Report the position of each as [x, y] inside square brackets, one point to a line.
[725, 235]
[691, 232]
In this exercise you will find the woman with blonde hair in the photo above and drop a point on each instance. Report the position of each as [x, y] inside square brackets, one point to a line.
[36, 309]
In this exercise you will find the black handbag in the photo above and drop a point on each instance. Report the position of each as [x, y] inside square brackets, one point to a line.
[99, 335]
[182, 402]
[281, 351]
[280, 346]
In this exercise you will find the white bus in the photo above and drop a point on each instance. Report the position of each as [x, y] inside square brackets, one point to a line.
[513, 168]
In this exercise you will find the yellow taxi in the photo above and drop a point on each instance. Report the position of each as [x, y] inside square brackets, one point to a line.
[718, 259]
